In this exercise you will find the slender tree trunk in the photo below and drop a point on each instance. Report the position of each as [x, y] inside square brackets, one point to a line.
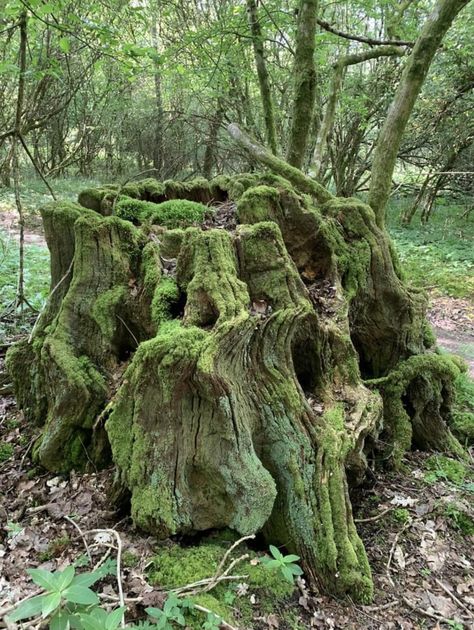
[158, 147]
[413, 77]
[263, 77]
[211, 147]
[334, 92]
[305, 83]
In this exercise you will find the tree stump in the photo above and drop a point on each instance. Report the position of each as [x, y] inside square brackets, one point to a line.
[240, 352]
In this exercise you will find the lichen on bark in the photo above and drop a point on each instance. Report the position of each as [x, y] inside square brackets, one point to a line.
[237, 378]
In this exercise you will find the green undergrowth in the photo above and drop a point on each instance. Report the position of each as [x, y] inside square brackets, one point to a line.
[438, 255]
[441, 467]
[463, 413]
[175, 566]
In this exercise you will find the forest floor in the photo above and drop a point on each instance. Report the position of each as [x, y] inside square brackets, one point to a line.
[417, 524]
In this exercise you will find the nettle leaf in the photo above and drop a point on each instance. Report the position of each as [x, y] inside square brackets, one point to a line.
[50, 603]
[29, 608]
[78, 594]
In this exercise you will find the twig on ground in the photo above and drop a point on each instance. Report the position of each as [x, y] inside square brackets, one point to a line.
[453, 597]
[81, 534]
[370, 519]
[392, 550]
[114, 533]
[223, 622]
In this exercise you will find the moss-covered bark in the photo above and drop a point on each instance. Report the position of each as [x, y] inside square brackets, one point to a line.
[224, 367]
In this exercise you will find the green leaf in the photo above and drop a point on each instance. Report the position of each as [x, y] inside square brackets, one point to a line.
[114, 618]
[29, 608]
[86, 579]
[50, 603]
[60, 621]
[291, 558]
[154, 612]
[65, 44]
[288, 575]
[78, 594]
[295, 569]
[276, 553]
[64, 578]
[43, 578]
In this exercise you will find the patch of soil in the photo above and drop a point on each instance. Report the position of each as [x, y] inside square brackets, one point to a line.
[34, 232]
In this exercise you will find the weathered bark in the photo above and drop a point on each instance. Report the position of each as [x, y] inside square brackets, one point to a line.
[413, 77]
[227, 364]
[211, 146]
[263, 76]
[304, 83]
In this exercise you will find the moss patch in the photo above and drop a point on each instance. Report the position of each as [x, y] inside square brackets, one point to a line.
[176, 566]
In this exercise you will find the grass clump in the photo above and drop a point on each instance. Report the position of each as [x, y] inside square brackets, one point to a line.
[459, 519]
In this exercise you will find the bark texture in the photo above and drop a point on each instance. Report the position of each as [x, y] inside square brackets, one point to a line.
[220, 363]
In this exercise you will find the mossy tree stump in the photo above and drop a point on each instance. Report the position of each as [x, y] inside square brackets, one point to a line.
[239, 361]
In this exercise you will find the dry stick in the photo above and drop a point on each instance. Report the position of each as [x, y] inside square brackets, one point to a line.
[37, 168]
[119, 559]
[425, 612]
[222, 622]
[454, 598]
[392, 550]
[373, 518]
[230, 550]
[81, 534]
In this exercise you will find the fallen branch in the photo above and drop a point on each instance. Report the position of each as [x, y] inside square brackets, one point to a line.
[301, 181]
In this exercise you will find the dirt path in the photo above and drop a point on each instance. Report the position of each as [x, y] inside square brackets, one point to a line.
[453, 323]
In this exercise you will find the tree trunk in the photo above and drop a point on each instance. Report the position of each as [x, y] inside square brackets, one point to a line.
[158, 146]
[211, 146]
[414, 74]
[304, 83]
[224, 366]
[263, 77]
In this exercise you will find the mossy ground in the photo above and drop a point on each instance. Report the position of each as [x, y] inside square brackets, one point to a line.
[175, 566]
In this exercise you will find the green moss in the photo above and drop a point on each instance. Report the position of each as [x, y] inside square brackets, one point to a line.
[175, 566]
[257, 204]
[462, 422]
[6, 451]
[165, 297]
[422, 384]
[442, 467]
[170, 242]
[171, 214]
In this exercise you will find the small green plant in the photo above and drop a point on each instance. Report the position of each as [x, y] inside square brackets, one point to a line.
[212, 622]
[401, 515]
[6, 451]
[460, 520]
[173, 611]
[286, 564]
[129, 559]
